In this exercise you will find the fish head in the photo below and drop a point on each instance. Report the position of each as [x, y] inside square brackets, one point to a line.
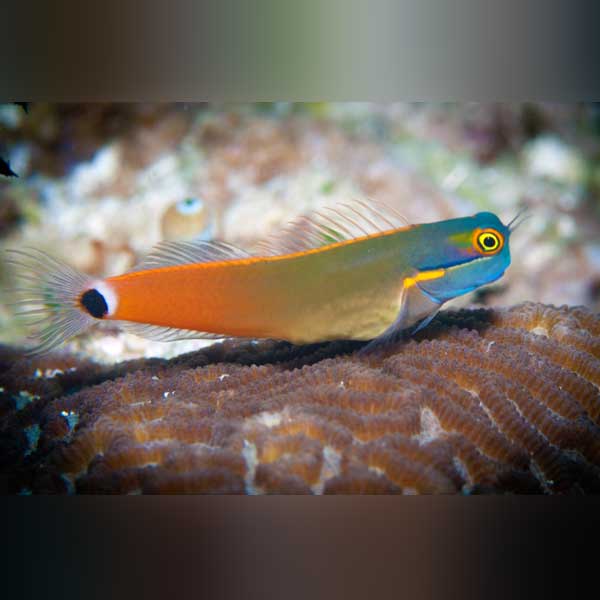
[471, 252]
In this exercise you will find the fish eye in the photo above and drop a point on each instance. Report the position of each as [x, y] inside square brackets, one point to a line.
[489, 241]
[189, 206]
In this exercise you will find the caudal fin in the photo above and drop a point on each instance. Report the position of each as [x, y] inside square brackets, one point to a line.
[49, 293]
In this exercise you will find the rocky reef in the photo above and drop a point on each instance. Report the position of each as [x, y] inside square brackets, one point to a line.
[481, 401]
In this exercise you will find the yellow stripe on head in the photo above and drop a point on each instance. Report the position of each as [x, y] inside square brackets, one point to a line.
[424, 276]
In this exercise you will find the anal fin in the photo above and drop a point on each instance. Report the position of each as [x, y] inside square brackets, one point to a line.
[158, 333]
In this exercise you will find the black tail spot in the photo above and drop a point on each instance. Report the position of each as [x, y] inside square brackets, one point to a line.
[93, 301]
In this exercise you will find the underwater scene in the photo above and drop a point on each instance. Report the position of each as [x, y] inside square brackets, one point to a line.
[299, 298]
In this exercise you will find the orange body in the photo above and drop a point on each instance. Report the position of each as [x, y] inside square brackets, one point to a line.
[344, 290]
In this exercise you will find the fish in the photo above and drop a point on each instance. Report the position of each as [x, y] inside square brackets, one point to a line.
[188, 219]
[357, 271]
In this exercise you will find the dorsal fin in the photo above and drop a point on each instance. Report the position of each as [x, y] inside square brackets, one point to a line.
[169, 254]
[327, 226]
[331, 225]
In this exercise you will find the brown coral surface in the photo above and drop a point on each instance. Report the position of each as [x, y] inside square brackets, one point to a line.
[480, 401]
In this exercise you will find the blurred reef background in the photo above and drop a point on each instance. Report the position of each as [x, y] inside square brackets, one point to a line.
[97, 185]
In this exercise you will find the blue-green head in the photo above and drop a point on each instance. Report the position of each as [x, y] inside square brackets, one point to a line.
[472, 251]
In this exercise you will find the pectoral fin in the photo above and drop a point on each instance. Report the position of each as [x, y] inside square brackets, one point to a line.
[417, 309]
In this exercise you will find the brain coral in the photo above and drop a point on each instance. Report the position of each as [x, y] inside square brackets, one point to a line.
[480, 401]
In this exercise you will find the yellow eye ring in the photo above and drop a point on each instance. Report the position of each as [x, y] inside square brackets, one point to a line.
[488, 241]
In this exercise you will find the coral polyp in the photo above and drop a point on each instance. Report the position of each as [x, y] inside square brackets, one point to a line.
[481, 401]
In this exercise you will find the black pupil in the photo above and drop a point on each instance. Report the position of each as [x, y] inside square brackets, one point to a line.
[489, 241]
